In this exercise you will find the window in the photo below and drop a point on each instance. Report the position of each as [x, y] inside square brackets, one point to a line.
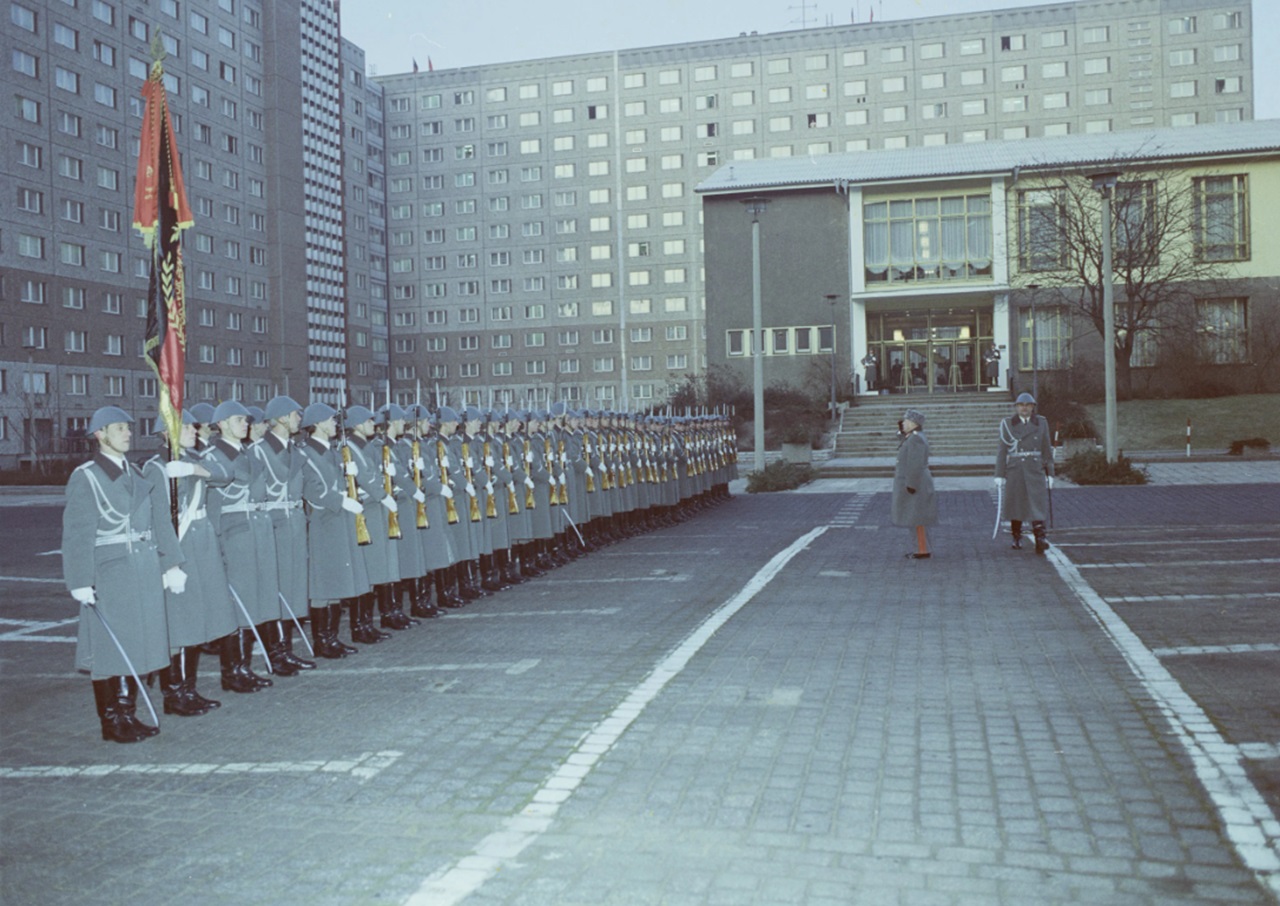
[1052, 329]
[1222, 330]
[1182, 25]
[1040, 238]
[1220, 218]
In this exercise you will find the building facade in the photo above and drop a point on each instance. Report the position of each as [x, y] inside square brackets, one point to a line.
[545, 239]
[934, 257]
[279, 140]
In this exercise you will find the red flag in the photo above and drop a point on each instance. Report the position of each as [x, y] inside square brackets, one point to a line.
[430, 68]
[160, 214]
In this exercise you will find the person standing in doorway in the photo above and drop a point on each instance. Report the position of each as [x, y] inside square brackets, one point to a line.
[915, 504]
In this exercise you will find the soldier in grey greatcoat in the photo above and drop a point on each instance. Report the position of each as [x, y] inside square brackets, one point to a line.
[915, 505]
[204, 612]
[248, 550]
[412, 480]
[381, 559]
[1024, 469]
[119, 555]
[398, 471]
[282, 462]
[335, 567]
[450, 582]
[477, 475]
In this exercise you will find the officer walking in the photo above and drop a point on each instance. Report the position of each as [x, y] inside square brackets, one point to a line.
[1024, 469]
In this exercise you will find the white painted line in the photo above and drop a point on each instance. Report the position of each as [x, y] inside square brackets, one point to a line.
[1259, 751]
[1261, 561]
[1250, 824]
[55, 553]
[1213, 649]
[613, 580]
[26, 627]
[1198, 542]
[30, 579]
[512, 669]
[362, 767]
[586, 611]
[454, 883]
[1164, 599]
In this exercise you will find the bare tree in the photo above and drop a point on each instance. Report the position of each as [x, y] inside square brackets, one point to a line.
[1168, 248]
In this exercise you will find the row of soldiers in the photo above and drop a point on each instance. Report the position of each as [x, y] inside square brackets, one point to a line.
[271, 517]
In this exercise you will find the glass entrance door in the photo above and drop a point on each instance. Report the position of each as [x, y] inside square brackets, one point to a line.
[929, 351]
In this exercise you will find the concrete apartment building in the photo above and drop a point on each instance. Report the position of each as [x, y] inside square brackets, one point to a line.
[520, 231]
[545, 238]
[280, 141]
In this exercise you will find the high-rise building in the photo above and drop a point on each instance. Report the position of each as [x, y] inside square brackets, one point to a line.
[280, 144]
[545, 238]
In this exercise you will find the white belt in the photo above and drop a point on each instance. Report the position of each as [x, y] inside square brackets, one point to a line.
[243, 507]
[121, 538]
[280, 505]
[201, 513]
[1024, 455]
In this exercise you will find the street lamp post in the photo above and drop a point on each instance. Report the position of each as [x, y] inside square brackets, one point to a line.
[1106, 184]
[831, 300]
[755, 207]
[1035, 370]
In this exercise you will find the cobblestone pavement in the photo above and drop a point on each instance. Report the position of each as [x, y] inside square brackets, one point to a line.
[764, 705]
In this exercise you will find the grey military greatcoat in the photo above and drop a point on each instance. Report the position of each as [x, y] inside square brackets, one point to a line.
[1024, 458]
[335, 567]
[912, 471]
[244, 531]
[116, 538]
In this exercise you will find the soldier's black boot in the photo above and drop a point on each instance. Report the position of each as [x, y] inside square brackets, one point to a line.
[528, 561]
[390, 612]
[1042, 543]
[229, 658]
[286, 636]
[114, 727]
[1015, 527]
[190, 668]
[490, 580]
[445, 592]
[420, 598]
[247, 642]
[467, 587]
[507, 568]
[176, 699]
[128, 702]
[361, 613]
[273, 638]
[335, 623]
[320, 635]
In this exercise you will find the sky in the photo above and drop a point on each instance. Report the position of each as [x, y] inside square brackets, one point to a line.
[459, 33]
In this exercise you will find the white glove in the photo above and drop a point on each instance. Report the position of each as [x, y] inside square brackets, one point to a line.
[419, 497]
[178, 469]
[352, 506]
[445, 461]
[471, 489]
[488, 489]
[175, 580]
[528, 482]
[589, 473]
[551, 479]
[488, 462]
[84, 595]
[391, 469]
[999, 482]
[446, 492]
[1048, 480]
[528, 456]
[352, 469]
[419, 464]
[390, 503]
[471, 463]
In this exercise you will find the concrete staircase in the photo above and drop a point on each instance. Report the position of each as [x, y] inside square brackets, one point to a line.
[961, 429]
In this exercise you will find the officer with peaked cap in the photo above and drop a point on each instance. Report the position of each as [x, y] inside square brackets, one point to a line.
[248, 549]
[119, 555]
[282, 464]
[204, 612]
[335, 567]
[1024, 469]
[381, 559]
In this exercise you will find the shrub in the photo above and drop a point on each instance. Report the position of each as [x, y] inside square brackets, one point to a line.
[1237, 448]
[1091, 467]
[779, 476]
